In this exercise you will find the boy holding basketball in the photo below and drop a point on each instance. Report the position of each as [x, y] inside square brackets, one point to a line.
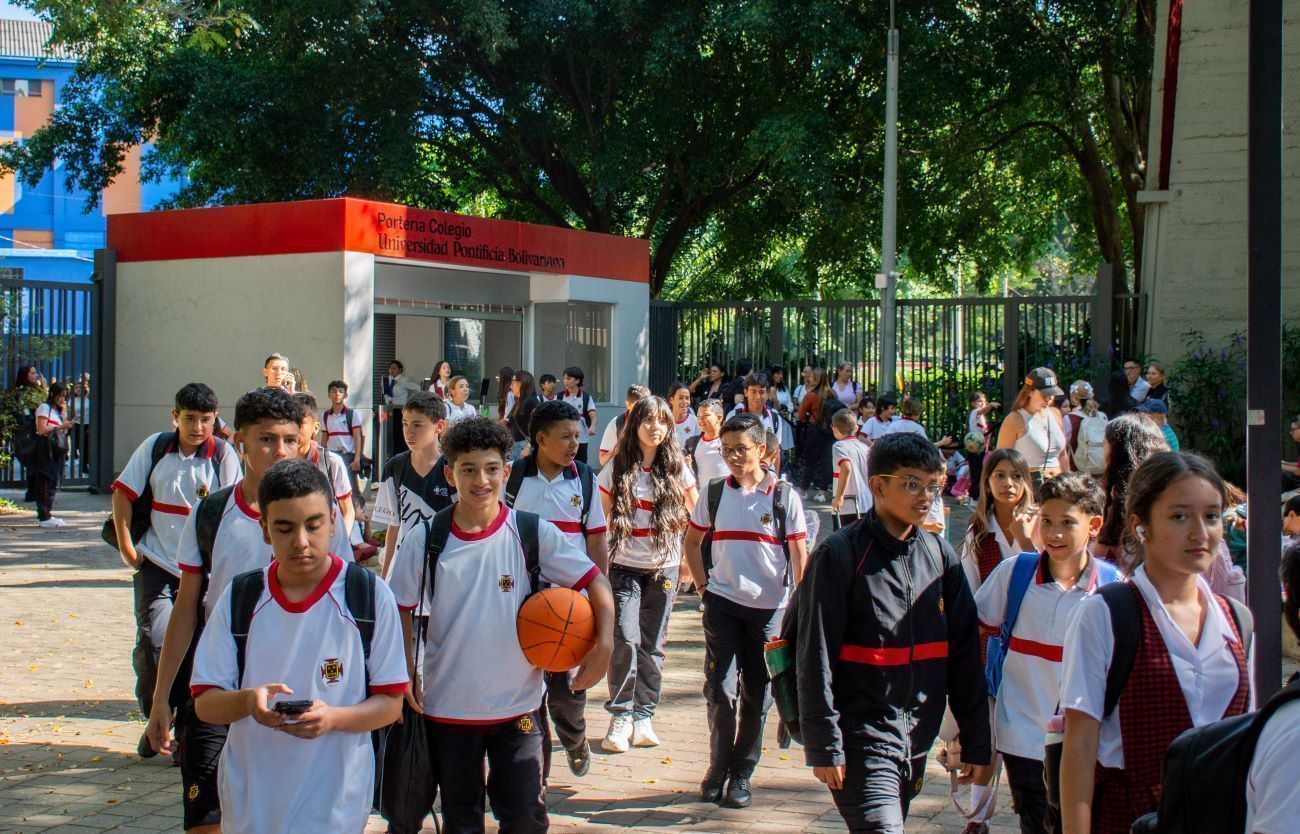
[480, 692]
[553, 484]
[757, 553]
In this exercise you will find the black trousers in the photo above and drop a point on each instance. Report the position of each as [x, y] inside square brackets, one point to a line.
[513, 750]
[43, 489]
[878, 790]
[643, 599]
[815, 468]
[976, 463]
[155, 593]
[200, 754]
[1029, 796]
[565, 710]
[736, 686]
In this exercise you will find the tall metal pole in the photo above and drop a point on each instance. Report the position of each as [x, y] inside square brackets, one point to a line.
[1264, 345]
[887, 280]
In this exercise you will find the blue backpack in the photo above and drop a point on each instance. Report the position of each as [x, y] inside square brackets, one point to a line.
[1022, 574]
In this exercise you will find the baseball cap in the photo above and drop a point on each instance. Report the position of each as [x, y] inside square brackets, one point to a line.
[1153, 407]
[1044, 380]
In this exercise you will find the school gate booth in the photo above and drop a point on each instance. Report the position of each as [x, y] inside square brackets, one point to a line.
[343, 286]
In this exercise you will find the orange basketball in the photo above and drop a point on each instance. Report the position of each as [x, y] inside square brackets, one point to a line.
[556, 629]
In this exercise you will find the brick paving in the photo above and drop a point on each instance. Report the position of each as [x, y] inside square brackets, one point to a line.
[69, 722]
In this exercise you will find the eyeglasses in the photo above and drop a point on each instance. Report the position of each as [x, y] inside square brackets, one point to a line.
[915, 487]
[735, 451]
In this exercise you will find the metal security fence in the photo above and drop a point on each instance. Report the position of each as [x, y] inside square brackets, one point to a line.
[946, 348]
[53, 325]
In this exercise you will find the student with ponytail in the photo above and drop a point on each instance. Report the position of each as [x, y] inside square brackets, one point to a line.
[647, 492]
[1176, 661]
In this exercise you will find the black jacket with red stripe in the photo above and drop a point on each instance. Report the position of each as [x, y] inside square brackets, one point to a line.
[884, 636]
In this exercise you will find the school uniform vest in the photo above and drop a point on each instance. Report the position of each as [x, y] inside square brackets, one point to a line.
[988, 555]
[1152, 713]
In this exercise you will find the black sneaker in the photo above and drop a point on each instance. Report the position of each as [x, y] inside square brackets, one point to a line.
[143, 748]
[738, 795]
[579, 761]
[711, 787]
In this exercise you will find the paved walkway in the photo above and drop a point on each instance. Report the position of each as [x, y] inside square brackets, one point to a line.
[69, 721]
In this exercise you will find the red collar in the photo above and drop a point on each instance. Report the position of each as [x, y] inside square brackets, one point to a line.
[243, 505]
[277, 593]
[734, 484]
[502, 513]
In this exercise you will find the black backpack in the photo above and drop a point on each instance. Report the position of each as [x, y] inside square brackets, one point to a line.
[527, 466]
[26, 442]
[830, 407]
[358, 595]
[142, 507]
[780, 500]
[1206, 770]
[439, 528]
[693, 443]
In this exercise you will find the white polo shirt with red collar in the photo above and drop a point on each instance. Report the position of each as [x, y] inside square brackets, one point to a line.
[749, 564]
[269, 780]
[239, 545]
[333, 467]
[339, 435]
[687, 427]
[640, 550]
[857, 495]
[1031, 673]
[559, 501]
[708, 460]
[179, 482]
[474, 670]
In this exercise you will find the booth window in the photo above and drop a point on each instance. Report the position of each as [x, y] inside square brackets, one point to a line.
[588, 345]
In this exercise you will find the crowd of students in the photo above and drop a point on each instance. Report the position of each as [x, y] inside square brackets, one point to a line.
[257, 632]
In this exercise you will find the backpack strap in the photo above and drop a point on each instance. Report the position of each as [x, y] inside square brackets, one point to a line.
[528, 524]
[780, 503]
[520, 470]
[693, 443]
[436, 532]
[359, 595]
[1022, 574]
[397, 471]
[1244, 620]
[245, 591]
[619, 421]
[207, 518]
[588, 479]
[1126, 627]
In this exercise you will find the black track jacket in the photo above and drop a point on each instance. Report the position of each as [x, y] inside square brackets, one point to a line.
[883, 637]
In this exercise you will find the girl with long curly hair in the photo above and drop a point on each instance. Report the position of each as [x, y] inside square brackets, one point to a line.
[647, 491]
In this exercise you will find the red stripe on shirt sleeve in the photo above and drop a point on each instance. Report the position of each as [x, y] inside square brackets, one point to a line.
[591, 531]
[698, 527]
[189, 568]
[587, 578]
[794, 537]
[401, 607]
[199, 689]
[389, 688]
[345, 496]
[602, 489]
[118, 486]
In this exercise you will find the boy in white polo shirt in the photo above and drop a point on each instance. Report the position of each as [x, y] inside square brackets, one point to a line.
[757, 531]
[329, 463]
[1043, 589]
[303, 659]
[850, 454]
[702, 449]
[573, 394]
[554, 485]
[344, 436]
[470, 571]
[221, 539]
[167, 475]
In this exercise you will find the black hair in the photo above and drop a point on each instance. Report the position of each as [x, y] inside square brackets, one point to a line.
[575, 372]
[308, 402]
[293, 478]
[771, 374]
[904, 450]
[20, 378]
[756, 379]
[743, 367]
[975, 395]
[1292, 506]
[270, 404]
[548, 414]
[427, 403]
[677, 385]
[1132, 440]
[196, 397]
[1076, 489]
[885, 402]
[748, 425]
[636, 392]
[57, 389]
[275, 356]
[545, 378]
[339, 384]
[398, 363]
[473, 434]
[1150, 480]
[1291, 587]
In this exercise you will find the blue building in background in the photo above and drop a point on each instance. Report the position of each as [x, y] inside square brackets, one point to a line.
[46, 233]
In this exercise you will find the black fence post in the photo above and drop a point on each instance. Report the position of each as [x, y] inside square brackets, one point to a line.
[776, 338]
[1011, 371]
[1104, 343]
[103, 377]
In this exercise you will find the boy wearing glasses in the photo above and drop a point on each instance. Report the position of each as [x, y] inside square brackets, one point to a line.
[887, 632]
[757, 555]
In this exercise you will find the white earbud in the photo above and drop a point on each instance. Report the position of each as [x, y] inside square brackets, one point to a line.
[1141, 533]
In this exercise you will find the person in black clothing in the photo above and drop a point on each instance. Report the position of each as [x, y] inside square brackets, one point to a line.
[888, 632]
[526, 399]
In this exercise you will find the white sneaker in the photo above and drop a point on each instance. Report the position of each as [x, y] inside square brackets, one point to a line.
[643, 735]
[620, 731]
[52, 523]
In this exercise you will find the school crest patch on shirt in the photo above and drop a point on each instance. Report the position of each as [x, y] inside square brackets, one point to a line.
[202, 491]
[576, 501]
[766, 519]
[506, 583]
[331, 671]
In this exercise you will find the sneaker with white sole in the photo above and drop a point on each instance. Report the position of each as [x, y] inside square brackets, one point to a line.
[619, 735]
[643, 734]
[53, 523]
